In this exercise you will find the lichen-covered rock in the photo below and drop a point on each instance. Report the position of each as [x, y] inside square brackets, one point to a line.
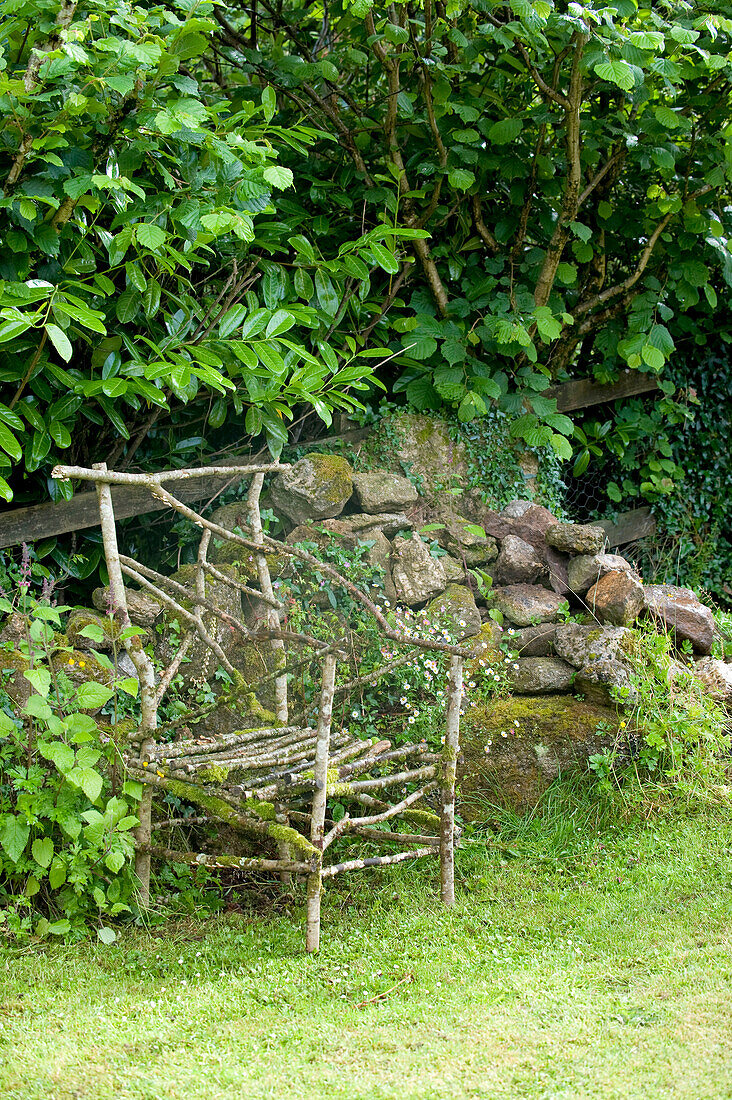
[202, 661]
[316, 487]
[515, 509]
[679, 610]
[532, 641]
[417, 575]
[586, 569]
[527, 604]
[512, 749]
[607, 682]
[13, 663]
[362, 524]
[715, 677]
[580, 645]
[576, 538]
[455, 571]
[383, 491]
[517, 562]
[461, 539]
[379, 554]
[540, 676]
[456, 607]
[144, 609]
[616, 598]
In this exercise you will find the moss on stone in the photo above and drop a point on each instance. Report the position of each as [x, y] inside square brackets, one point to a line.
[335, 474]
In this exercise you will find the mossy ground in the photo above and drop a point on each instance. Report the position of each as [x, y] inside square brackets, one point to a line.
[575, 964]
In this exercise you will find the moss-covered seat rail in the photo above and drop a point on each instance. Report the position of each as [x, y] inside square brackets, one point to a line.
[281, 783]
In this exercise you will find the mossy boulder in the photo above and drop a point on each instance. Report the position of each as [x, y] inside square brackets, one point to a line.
[512, 749]
[417, 576]
[317, 487]
[202, 662]
[142, 607]
[81, 618]
[383, 491]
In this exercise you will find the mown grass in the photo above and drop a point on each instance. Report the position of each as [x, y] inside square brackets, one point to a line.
[579, 962]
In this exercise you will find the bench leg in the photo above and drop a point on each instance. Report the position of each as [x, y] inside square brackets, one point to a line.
[449, 767]
[320, 799]
[315, 891]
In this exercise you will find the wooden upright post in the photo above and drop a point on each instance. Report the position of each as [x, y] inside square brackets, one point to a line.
[320, 798]
[449, 767]
[145, 673]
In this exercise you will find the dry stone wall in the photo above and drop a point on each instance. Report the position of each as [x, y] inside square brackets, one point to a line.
[445, 550]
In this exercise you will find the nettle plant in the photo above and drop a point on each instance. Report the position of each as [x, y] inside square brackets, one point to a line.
[66, 814]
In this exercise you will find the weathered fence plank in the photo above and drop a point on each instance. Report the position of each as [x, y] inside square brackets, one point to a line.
[629, 526]
[585, 392]
[41, 521]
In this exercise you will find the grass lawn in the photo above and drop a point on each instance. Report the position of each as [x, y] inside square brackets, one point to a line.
[576, 963]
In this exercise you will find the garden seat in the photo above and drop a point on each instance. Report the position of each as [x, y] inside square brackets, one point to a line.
[296, 788]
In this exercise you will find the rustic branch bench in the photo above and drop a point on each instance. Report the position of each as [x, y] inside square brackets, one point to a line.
[274, 782]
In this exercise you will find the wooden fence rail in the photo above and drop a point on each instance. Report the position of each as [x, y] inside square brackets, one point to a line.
[41, 521]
